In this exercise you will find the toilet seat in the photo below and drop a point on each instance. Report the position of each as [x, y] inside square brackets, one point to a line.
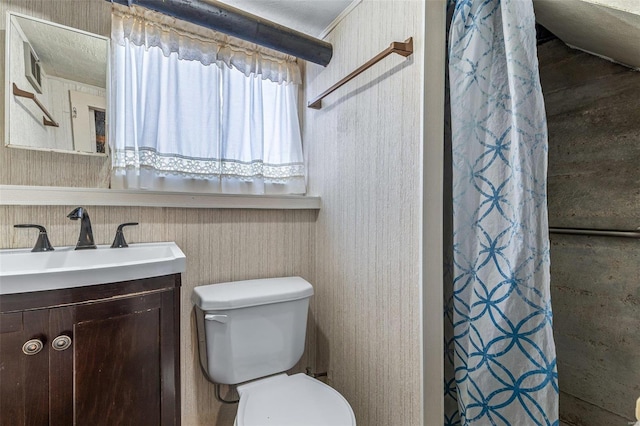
[296, 400]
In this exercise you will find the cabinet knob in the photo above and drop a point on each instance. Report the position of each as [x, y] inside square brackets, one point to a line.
[61, 343]
[32, 347]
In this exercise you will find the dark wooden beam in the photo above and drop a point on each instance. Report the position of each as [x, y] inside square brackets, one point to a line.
[235, 22]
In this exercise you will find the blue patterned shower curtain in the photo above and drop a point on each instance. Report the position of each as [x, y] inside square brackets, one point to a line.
[502, 347]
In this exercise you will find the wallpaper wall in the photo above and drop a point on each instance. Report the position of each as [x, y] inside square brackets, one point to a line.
[361, 251]
[220, 245]
[364, 157]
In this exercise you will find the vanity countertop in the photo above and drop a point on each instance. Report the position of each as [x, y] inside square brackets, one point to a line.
[22, 271]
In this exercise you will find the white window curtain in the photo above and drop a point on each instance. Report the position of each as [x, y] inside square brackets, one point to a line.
[194, 111]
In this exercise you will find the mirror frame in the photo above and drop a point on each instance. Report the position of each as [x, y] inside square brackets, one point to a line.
[9, 91]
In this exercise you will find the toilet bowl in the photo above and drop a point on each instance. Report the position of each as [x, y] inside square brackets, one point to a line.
[249, 334]
[296, 400]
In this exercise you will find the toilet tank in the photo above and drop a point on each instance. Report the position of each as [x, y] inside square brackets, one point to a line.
[251, 329]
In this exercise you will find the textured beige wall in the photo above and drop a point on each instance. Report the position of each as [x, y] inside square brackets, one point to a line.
[361, 251]
[26, 167]
[364, 154]
[220, 245]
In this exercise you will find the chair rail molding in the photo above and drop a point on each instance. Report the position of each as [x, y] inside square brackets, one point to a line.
[18, 195]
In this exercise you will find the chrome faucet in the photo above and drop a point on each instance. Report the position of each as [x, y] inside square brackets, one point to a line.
[85, 240]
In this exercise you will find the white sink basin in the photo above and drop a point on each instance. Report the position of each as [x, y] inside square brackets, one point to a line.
[22, 271]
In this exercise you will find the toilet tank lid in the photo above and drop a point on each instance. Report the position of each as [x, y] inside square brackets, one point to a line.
[243, 294]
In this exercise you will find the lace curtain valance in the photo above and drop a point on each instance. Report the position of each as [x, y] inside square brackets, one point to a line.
[192, 42]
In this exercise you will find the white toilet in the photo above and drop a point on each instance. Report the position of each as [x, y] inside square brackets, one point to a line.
[248, 331]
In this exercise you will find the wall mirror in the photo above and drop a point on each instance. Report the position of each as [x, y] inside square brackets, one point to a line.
[56, 87]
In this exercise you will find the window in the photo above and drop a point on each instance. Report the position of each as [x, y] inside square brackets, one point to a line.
[192, 110]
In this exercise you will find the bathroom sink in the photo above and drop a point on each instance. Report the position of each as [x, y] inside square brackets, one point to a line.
[22, 271]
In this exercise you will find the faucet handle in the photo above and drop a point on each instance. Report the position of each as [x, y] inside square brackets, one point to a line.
[119, 241]
[42, 244]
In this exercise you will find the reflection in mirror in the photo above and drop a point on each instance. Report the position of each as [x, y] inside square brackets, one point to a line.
[56, 85]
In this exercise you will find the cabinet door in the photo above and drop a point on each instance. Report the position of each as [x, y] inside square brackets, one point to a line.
[118, 364]
[61, 394]
[124, 357]
[24, 379]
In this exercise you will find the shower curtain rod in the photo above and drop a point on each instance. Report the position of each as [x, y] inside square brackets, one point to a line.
[596, 232]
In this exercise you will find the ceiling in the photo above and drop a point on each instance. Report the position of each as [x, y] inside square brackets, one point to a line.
[67, 53]
[311, 17]
[606, 28]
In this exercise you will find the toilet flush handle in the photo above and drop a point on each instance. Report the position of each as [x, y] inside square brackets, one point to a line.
[219, 318]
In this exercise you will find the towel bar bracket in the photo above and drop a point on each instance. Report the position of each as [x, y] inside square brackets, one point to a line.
[47, 120]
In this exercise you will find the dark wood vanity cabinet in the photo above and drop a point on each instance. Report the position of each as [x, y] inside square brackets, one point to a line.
[110, 355]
